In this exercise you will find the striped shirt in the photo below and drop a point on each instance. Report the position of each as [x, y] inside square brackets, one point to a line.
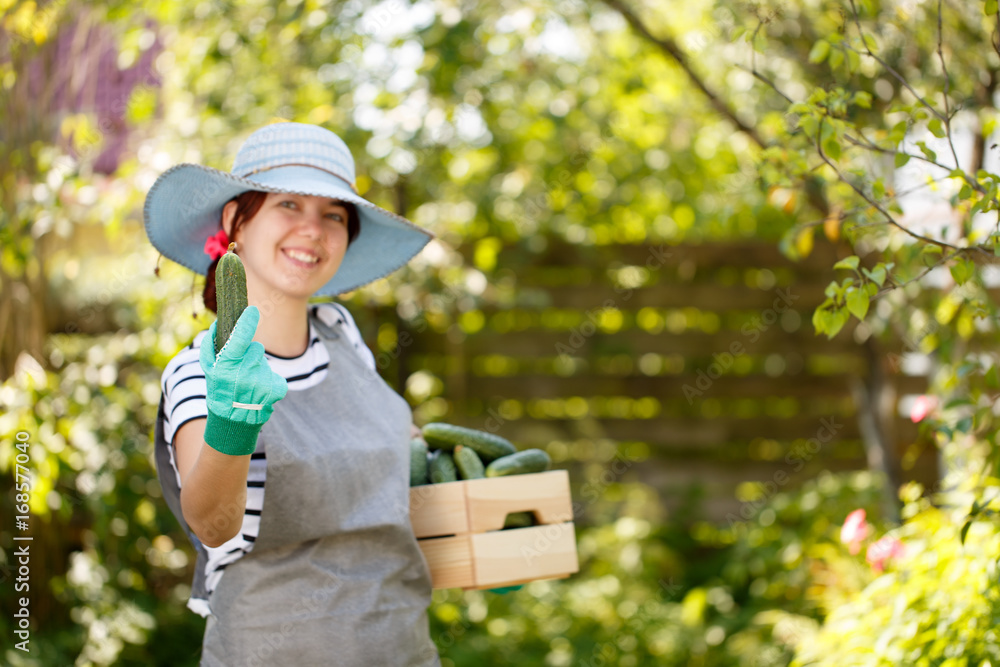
[184, 390]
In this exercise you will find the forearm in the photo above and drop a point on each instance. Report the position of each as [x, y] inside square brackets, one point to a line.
[214, 496]
[241, 390]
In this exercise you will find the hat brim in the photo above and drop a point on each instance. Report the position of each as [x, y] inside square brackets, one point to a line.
[184, 207]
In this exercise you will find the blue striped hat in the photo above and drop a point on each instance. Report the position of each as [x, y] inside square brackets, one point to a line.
[184, 206]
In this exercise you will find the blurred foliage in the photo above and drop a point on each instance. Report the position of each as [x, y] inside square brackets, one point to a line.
[674, 592]
[513, 123]
[939, 604]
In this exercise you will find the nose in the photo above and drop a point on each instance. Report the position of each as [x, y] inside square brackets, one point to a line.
[311, 224]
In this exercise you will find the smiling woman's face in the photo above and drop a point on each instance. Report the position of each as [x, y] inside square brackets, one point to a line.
[292, 247]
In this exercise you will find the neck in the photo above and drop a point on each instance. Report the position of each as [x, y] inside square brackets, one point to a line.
[284, 325]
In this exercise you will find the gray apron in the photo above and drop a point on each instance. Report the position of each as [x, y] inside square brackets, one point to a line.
[335, 576]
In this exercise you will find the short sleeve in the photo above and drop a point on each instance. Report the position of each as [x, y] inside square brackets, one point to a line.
[184, 389]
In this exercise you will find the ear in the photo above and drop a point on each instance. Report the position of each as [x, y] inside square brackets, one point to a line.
[228, 215]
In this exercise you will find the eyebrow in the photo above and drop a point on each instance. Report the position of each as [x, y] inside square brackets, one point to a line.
[329, 202]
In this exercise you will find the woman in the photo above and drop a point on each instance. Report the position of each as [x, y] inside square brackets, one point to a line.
[284, 455]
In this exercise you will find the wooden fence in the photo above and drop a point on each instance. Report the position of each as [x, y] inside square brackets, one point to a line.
[690, 368]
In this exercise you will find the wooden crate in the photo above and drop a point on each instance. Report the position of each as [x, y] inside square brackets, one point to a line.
[458, 526]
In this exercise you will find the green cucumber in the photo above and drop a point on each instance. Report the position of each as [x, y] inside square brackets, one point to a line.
[519, 520]
[418, 462]
[523, 462]
[468, 463]
[230, 295]
[488, 445]
[442, 468]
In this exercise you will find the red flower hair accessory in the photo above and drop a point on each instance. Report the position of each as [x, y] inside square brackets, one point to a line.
[216, 246]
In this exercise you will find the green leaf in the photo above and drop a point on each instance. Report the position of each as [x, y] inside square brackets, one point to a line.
[853, 61]
[968, 524]
[878, 188]
[990, 8]
[931, 254]
[928, 153]
[902, 159]
[821, 319]
[962, 270]
[863, 99]
[848, 263]
[819, 52]
[808, 125]
[878, 275]
[760, 42]
[818, 96]
[857, 303]
[829, 320]
[936, 128]
[996, 246]
[993, 378]
[832, 148]
[838, 319]
[836, 58]
[898, 132]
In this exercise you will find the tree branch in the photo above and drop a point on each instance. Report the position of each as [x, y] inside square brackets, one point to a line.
[763, 79]
[843, 215]
[995, 35]
[889, 68]
[947, 89]
[868, 144]
[874, 204]
[671, 49]
[895, 286]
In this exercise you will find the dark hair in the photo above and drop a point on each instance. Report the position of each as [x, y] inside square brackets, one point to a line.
[247, 206]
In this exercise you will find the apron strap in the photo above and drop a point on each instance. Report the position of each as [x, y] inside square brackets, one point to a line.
[325, 330]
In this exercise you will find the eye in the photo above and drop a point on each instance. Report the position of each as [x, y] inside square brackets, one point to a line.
[287, 203]
[337, 215]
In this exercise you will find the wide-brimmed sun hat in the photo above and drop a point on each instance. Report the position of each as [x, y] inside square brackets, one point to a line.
[184, 206]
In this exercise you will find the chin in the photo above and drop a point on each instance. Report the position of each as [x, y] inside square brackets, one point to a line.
[295, 290]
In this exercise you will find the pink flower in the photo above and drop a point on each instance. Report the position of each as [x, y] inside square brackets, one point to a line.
[854, 530]
[922, 407]
[216, 246]
[882, 550]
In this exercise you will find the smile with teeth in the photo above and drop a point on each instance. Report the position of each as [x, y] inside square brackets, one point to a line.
[302, 256]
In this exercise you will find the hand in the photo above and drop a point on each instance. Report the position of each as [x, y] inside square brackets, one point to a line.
[505, 589]
[242, 388]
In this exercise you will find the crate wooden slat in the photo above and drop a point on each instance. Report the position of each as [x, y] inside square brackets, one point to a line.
[438, 509]
[490, 500]
[450, 561]
[544, 551]
[458, 526]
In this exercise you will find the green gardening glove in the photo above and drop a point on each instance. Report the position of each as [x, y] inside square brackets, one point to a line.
[242, 388]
